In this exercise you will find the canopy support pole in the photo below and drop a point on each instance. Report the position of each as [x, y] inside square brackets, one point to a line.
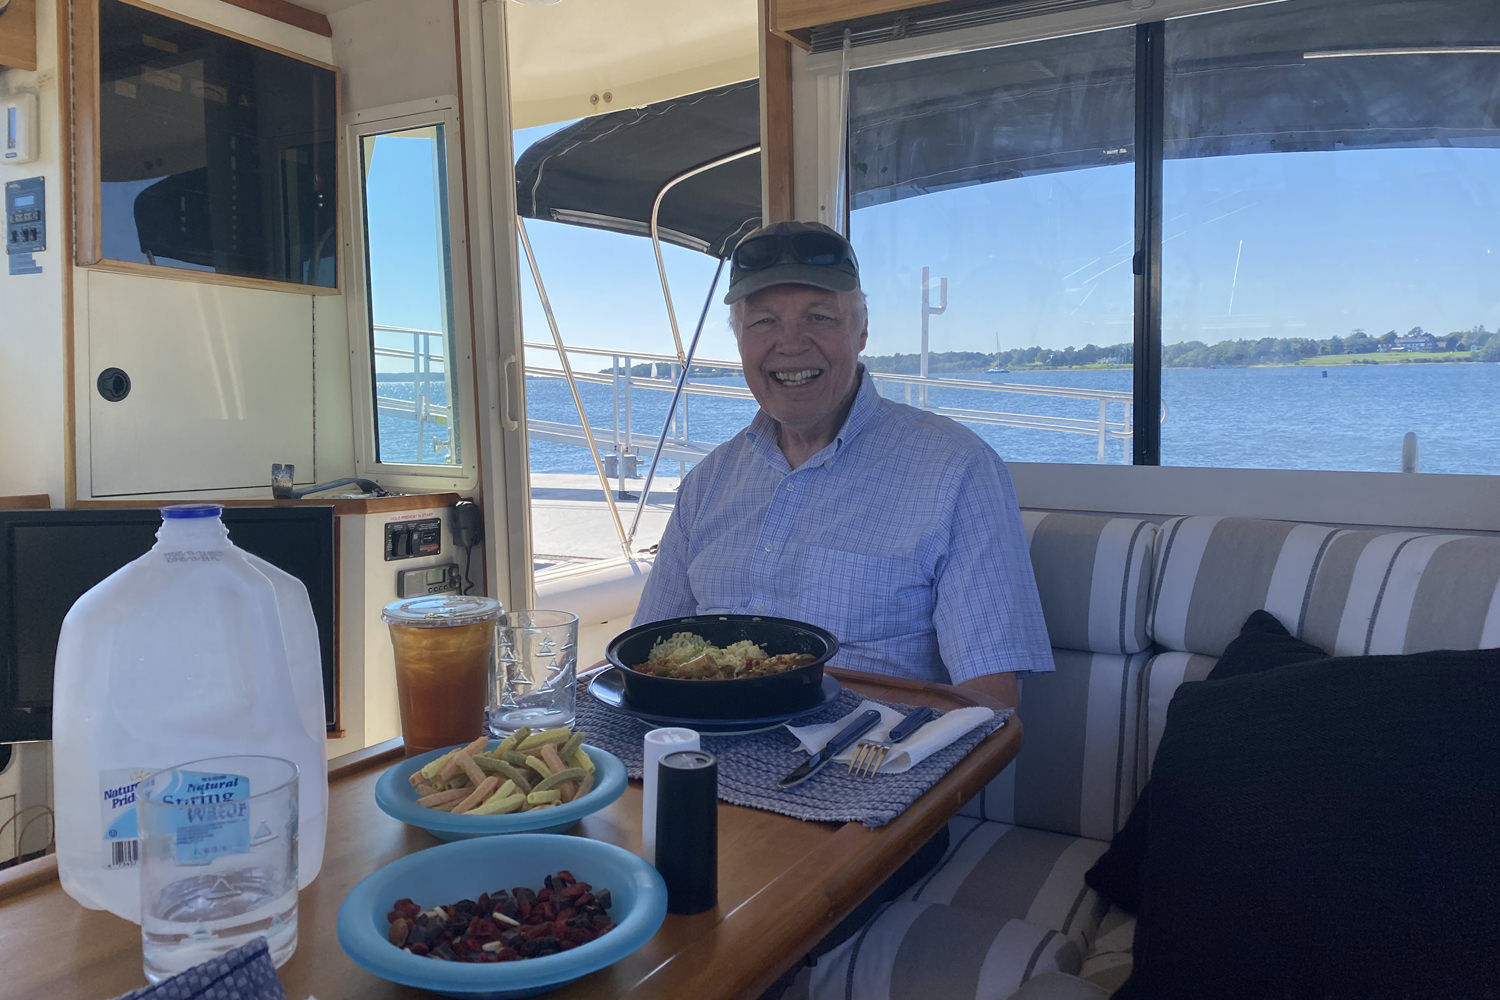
[687, 364]
[567, 367]
[661, 268]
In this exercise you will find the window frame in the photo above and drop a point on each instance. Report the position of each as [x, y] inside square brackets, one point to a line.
[1460, 502]
[463, 477]
[85, 145]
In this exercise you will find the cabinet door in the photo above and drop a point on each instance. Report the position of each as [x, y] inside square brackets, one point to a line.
[221, 385]
[18, 35]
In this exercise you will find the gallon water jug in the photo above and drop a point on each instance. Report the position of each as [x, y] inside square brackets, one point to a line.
[196, 649]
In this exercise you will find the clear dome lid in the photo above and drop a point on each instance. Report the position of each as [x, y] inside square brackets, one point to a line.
[441, 610]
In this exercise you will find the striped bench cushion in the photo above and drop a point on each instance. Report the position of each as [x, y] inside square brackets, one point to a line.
[1160, 679]
[918, 951]
[1093, 575]
[1112, 953]
[1350, 592]
[1017, 873]
[1077, 772]
[1005, 905]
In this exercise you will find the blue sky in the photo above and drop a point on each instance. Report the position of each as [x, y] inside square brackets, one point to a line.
[1304, 244]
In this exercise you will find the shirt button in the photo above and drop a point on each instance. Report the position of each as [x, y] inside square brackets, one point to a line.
[770, 548]
[760, 607]
[790, 488]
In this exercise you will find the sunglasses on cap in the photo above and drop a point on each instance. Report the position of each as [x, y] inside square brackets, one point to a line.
[815, 249]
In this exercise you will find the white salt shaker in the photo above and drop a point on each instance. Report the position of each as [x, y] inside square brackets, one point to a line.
[659, 742]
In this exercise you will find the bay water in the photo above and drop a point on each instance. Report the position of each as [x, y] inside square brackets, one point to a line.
[1349, 417]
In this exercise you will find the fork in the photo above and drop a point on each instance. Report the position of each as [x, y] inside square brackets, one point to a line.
[870, 754]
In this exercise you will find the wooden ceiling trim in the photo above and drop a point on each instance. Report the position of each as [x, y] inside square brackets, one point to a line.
[795, 19]
[288, 13]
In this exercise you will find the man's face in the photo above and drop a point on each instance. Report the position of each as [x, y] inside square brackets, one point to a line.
[800, 347]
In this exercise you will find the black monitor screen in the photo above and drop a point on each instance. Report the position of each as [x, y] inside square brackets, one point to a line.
[50, 558]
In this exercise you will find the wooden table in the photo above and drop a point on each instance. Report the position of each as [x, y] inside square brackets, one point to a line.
[783, 883]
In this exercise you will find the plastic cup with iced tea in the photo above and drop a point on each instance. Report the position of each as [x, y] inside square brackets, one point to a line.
[443, 644]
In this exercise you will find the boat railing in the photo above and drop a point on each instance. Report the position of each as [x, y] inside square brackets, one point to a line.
[623, 438]
[626, 437]
[423, 362]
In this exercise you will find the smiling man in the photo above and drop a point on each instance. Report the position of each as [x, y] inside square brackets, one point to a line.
[894, 528]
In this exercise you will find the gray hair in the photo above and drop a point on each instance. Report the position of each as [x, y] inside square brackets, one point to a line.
[854, 300]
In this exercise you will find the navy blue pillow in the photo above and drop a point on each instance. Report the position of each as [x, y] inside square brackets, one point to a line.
[1326, 833]
[1263, 643]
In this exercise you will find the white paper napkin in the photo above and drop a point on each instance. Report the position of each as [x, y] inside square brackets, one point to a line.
[910, 752]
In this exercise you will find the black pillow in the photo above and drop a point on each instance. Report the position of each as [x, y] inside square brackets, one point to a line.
[1263, 643]
[1326, 833]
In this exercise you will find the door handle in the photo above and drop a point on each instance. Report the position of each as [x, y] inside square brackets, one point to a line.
[510, 416]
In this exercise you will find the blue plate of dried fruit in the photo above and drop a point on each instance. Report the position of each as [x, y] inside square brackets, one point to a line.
[481, 920]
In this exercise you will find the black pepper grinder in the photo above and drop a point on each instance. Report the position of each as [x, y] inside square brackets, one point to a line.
[687, 829]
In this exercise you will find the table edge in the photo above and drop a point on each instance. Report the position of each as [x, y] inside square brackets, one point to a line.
[28, 875]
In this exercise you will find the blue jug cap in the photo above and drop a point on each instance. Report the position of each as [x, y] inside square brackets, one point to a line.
[192, 510]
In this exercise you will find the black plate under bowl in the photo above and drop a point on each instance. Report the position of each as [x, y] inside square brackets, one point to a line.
[732, 699]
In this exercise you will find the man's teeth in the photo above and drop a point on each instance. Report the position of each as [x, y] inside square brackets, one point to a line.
[797, 378]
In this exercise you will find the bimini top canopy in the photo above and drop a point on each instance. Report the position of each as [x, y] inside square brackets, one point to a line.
[1297, 80]
[605, 172]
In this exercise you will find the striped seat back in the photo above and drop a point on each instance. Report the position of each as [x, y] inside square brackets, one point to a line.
[1076, 773]
[1348, 591]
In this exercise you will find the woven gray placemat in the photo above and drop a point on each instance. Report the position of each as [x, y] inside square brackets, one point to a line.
[243, 973]
[750, 765]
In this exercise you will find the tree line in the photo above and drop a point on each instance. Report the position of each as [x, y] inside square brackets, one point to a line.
[1475, 344]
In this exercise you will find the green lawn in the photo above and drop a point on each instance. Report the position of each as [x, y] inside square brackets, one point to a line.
[1386, 358]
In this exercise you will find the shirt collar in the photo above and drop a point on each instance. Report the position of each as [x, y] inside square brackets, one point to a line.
[762, 429]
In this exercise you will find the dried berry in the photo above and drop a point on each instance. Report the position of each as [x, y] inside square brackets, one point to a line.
[503, 926]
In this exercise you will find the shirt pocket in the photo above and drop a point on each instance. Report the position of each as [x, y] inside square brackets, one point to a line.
[860, 597]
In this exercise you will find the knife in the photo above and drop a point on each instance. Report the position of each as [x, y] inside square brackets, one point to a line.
[832, 748]
[915, 719]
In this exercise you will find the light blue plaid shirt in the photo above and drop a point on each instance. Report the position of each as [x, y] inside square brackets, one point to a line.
[902, 538]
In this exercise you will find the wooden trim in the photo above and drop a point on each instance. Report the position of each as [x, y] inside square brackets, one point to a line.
[18, 35]
[288, 13]
[27, 875]
[26, 501]
[356, 761]
[340, 505]
[208, 277]
[776, 128]
[67, 237]
[84, 88]
[794, 19]
[88, 171]
[210, 26]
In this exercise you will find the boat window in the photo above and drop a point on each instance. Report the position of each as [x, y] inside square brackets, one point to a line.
[213, 154]
[413, 332]
[615, 306]
[1329, 260]
[1256, 238]
[991, 197]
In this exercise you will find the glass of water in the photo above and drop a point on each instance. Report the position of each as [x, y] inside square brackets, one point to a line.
[218, 860]
[535, 679]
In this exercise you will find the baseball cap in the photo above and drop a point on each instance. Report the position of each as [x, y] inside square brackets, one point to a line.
[797, 253]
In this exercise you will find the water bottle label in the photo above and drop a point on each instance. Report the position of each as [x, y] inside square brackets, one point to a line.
[117, 790]
[193, 555]
[214, 818]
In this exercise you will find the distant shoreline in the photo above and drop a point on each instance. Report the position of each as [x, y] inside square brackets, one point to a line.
[880, 365]
[1327, 362]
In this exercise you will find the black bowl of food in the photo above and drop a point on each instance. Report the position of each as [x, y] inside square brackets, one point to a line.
[722, 666]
